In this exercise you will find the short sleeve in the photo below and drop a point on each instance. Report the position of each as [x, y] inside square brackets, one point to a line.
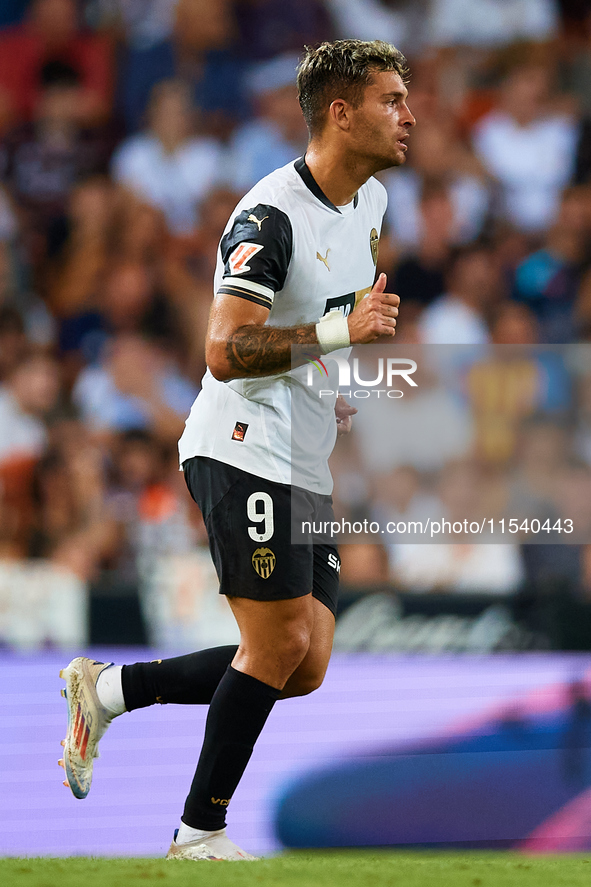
[256, 253]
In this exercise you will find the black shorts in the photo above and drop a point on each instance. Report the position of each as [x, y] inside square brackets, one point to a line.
[248, 520]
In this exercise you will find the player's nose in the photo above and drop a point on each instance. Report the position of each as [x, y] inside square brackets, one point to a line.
[408, 118]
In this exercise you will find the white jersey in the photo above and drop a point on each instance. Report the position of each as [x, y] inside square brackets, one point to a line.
[287, 247]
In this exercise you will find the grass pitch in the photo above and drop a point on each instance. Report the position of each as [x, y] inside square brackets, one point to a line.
[308, 869]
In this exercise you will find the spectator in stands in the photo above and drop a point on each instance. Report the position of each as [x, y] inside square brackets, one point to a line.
[528, 146]
[576, 53]
[401, 22]
[277, 135]
[37, 323]
[46, 158]
[8, 219]
[548, 280]
[125, 285]
[458, 564]
[188, 269]
[145, 52]
[352, 490]
[437, 159]
[364, 568]
[208, 60]
[192, 40]
[419, 276]
[26, 397]
[29, 392]
[503, 388]
[169, 165]
[151, 511]
[582, 171]
[83, 258]
[543, 452]
[267, 28]
[51, 33]
[573, 500]
[514, 324]
[136, 386]
[399, 497]
[490, 24]
[140, 230]
[459, 316]
[13, 339]
[429, 423]
[72, 526]
[460, 568]
[12, 11]
[582, 430]
[130, 303]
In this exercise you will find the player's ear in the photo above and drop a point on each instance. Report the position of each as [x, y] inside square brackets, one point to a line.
[339, 114]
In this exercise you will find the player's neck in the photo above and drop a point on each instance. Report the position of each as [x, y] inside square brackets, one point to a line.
[339, 180]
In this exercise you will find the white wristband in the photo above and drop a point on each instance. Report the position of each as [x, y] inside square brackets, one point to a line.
[332, 332]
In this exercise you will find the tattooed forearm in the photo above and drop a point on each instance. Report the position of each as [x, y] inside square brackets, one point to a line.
[264, 350]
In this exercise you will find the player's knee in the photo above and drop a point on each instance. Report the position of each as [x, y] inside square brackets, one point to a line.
[308, 684]
[303, 685]
[295, 645]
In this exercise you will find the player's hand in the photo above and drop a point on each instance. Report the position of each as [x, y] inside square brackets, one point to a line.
[344, 413]
[375, 315]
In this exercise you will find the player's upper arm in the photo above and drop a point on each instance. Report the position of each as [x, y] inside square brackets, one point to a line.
[256, 253]
[227, 315]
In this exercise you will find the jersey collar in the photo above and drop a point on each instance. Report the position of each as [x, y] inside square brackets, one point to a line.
[310, 182]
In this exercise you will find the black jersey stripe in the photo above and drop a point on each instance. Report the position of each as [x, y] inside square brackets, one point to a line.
[302, 168]
[243, 294]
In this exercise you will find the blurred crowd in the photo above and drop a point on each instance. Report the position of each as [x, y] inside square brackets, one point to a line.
[128, 131]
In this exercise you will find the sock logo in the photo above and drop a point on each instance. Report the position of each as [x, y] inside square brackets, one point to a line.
[221, 801]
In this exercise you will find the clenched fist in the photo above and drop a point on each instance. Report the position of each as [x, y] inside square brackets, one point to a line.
[375, 315]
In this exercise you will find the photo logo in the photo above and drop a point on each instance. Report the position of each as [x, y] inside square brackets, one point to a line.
[317, 364]
[388, 372]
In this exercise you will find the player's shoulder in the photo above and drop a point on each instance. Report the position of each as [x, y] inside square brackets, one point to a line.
[275, 189]
[266, 212]
[375, 193]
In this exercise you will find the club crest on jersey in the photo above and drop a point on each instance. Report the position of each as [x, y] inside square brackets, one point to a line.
[240, 256]
[263, 560]
[374, 242]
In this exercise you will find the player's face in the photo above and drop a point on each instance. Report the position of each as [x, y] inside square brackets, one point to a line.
[382, 123]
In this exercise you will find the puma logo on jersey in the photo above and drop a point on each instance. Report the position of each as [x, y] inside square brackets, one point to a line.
[238, 260]
[324, 259]
[258, 222]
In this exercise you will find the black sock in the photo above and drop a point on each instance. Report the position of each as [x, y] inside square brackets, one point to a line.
[237, 714]
[185, 680]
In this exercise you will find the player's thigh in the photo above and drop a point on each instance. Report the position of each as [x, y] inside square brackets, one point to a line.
[267, 625]
[248, 520]
[275, 636]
